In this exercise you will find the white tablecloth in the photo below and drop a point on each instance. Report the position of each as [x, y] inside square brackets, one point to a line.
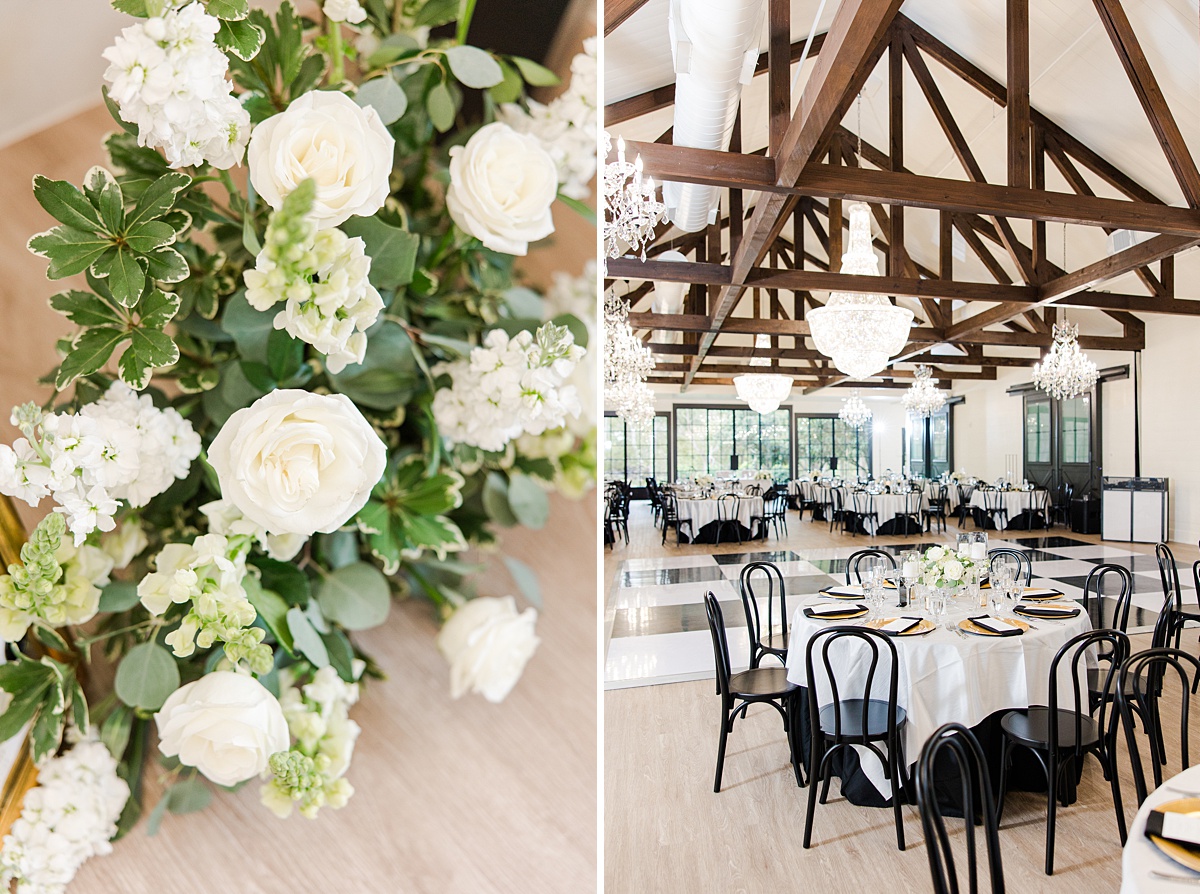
[1141, 856]
[944, 677]
[888, 506]
[931, 491]
[1015, 502]
[704, 512]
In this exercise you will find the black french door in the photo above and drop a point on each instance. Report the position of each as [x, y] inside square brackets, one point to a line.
[1062, 441]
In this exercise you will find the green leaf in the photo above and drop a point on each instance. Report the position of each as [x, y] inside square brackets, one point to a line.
[495, 500]
[158, 198]
[157, 308]
[284, 354]
[149, 235]
[524, 302]
[526, 580]
[272, 610]
[284, 579]
[509, 88]
[114, 732]
[528, 501]
[91, 350]
[393, 251]
[441, 107]
[229, 10]
[166, 265]
[46, 733]
[79, 705]
[131, 7]
[356, 596]
[308, 641]
[28, 682]
[337, 549]
[391, 49]
[85, 309]
[148, 349]
[146, 676]
[385, 96]
[251, 329]
[387, 377]
[66, 204]
[341, 653]
[69, 250]
[243, 38]
[51, 639]
[126, 278]
[533, 73]
[474, 67]
[436, 12]
[154, 820]
[118, 596]
[188, 796]
[232, 393]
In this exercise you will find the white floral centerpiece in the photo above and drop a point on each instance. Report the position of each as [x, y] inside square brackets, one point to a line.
[763, 475]
[285, 402]
[706, 481]
[943, 568]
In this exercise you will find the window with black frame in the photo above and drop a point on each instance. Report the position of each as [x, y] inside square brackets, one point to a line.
[928, 442]
[708, 438]
[635, 451]
[822, 438]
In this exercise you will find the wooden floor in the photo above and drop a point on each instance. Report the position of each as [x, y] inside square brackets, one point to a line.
[666, 831]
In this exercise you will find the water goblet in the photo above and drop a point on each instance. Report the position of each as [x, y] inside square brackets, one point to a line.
[937, 606]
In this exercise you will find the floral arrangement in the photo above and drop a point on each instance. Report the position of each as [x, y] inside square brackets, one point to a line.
[943, 568]
[706, 481]
[290, 397]
[763, 475]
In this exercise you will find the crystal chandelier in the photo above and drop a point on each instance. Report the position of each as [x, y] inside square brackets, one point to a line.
[763, 391]
[631, 205]
[762, 342]
[861, 332]
[923, 398]
[627, 362]
[1066, 371]
[854, 412]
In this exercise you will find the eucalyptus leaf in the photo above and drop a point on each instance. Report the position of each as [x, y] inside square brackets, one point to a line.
[146, 676]
[272, 610]
[441, 107]
[188, 796]
[356, 596]
[526, 580]
[385, 96]
[308, 641]
[118, 596]
[533, 73]
[528, 500]
[495, 500]
[474, 67]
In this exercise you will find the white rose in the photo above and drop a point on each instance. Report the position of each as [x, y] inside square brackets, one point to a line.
[488, 644]
[934, 553]
[326, 137]
[226, 725]
[953, 569]
[296, 462]
[502, 184]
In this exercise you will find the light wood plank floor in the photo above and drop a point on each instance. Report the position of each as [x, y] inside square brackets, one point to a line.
[666, 831]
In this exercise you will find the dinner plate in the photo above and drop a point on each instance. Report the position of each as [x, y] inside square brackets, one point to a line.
[1042, 594]
[970, 626]
[849, 592]
[925, 626]
[1180, 853]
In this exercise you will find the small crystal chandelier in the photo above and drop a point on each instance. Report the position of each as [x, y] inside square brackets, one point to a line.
[860, 332]
[631, 205]
[854, 412]
[762, 342]
[764, 392]
[627, 362]
[1066, 371]
[923, 398]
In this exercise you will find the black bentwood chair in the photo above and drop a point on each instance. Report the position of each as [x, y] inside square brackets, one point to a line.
[1060, 738]
[959, 743]
[937, 510]
[854, 718]
[858, 558]
[729, 510]
[764, 640]
[1024, 563]
[671, 519]
[1141, 682]
[1168, 573]
[762, 685]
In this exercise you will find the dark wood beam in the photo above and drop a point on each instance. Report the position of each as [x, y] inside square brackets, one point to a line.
[617, 11]
[1114, 265]
[895, 256]
[1145, 85]
[1018, 93]
[779, 77]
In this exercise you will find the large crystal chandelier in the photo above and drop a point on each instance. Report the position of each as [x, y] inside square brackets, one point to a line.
[764, 392]
[1066, 371]
[631, 205]
[861, 332]
[923, 398]
[854, 412]
[627, 362]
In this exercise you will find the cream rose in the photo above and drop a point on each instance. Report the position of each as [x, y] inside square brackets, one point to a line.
[502, 184]
[488, 645]
[226, 725]
[296, 462]
[327, 137]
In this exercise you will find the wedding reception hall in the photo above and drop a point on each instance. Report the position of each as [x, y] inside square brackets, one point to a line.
[901, 507]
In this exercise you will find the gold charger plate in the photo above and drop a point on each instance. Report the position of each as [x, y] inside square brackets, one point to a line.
[925, 626]
[970, 627]
[842, 617]
[1181, 854]
[858, 595]
[1066, 616]
[1043, 597]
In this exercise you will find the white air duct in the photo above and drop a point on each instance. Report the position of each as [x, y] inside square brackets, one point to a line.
[715, 47]
[668, 299]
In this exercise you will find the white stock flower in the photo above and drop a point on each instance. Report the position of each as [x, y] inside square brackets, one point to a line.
[125, 543]
[295, 462]
[225, 518]
[167, 76]
[226, 725]
[488, 644]
[344, 11]
[324, 136]
[502, 184]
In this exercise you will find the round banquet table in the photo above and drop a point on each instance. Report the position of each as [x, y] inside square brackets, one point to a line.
[943, 677]
[887, 507]
[1016, 502]
[1141, 857]
[931, 491]
[703, 514]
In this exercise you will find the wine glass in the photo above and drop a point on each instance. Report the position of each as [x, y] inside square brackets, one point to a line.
[937, 605]
[1016, 592]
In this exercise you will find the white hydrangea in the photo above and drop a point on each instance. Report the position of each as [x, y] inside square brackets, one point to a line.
[69, 816]
[120, 447]
[167, 76]
[344, 11]
[509, 386]
[330, 304]
[567, 125]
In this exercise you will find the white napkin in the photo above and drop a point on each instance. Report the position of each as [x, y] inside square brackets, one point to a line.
[1039, 592]
[835, 610]
[899, 625]
[993, 624]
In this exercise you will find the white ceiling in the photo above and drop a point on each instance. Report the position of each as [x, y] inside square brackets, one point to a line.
[1076, 80]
